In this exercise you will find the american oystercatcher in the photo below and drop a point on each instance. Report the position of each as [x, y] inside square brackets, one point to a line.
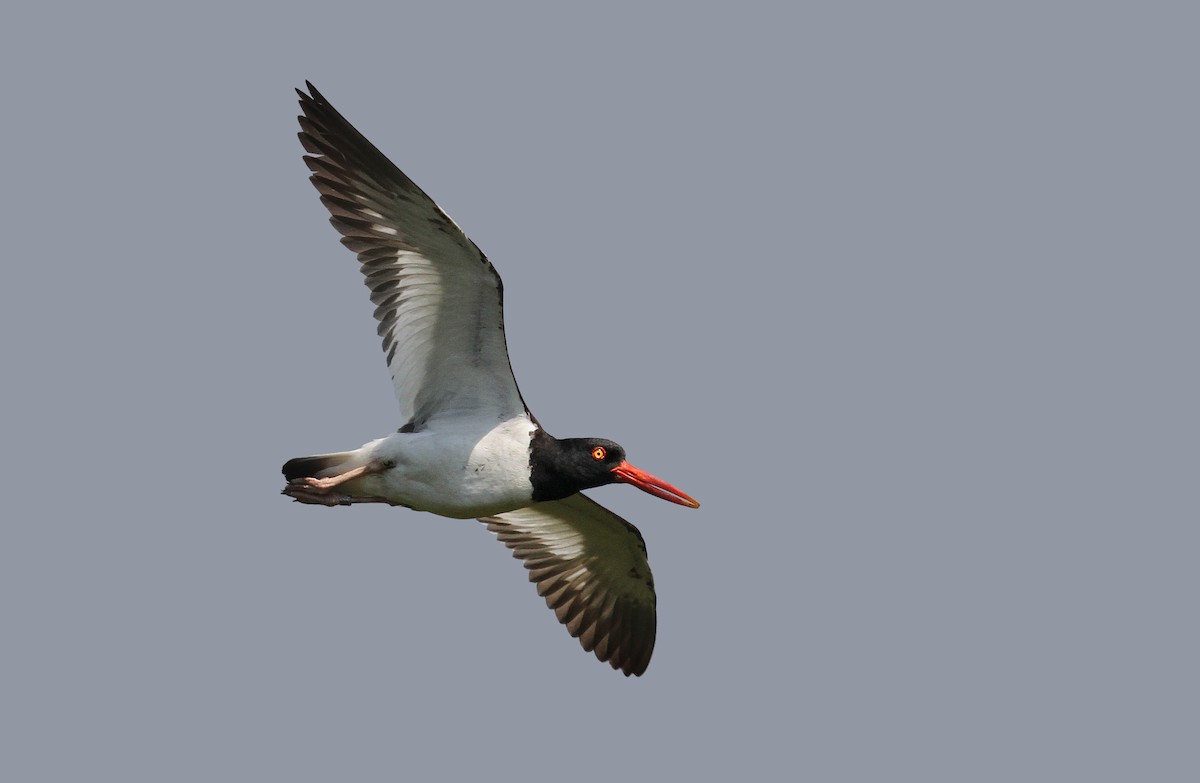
[470, 447]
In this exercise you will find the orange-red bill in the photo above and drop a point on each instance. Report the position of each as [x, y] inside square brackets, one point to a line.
[628, 474]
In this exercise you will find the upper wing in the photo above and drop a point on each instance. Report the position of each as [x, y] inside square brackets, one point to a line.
[439, 301]
[590, 565]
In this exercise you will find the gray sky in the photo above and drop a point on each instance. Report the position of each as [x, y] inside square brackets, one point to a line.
[907, 297]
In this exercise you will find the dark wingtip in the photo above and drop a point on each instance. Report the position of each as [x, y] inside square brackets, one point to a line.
[314, 94]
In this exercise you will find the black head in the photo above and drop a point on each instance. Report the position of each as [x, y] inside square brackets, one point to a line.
[559, 468]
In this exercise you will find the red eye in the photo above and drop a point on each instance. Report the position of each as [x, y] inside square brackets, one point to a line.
[599, 453]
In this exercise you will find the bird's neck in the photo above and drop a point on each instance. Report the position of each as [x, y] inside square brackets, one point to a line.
[550, 469]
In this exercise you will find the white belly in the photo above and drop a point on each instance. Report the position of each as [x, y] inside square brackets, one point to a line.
[456, 470]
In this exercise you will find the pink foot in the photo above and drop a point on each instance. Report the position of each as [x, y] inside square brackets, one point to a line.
[318, 491]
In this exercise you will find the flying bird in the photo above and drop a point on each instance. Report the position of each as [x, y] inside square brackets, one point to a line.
[469, 447]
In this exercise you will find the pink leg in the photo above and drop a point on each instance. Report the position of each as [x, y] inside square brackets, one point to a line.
[326, 484]
[318, 490]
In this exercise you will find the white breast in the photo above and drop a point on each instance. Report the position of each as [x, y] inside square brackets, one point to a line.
[457, 468]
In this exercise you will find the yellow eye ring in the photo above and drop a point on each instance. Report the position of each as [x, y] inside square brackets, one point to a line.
[599, 453]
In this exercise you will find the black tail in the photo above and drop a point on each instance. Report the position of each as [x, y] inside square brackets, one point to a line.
[306, 467]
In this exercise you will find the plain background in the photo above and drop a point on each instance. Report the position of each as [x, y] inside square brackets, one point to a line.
[905, 294]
